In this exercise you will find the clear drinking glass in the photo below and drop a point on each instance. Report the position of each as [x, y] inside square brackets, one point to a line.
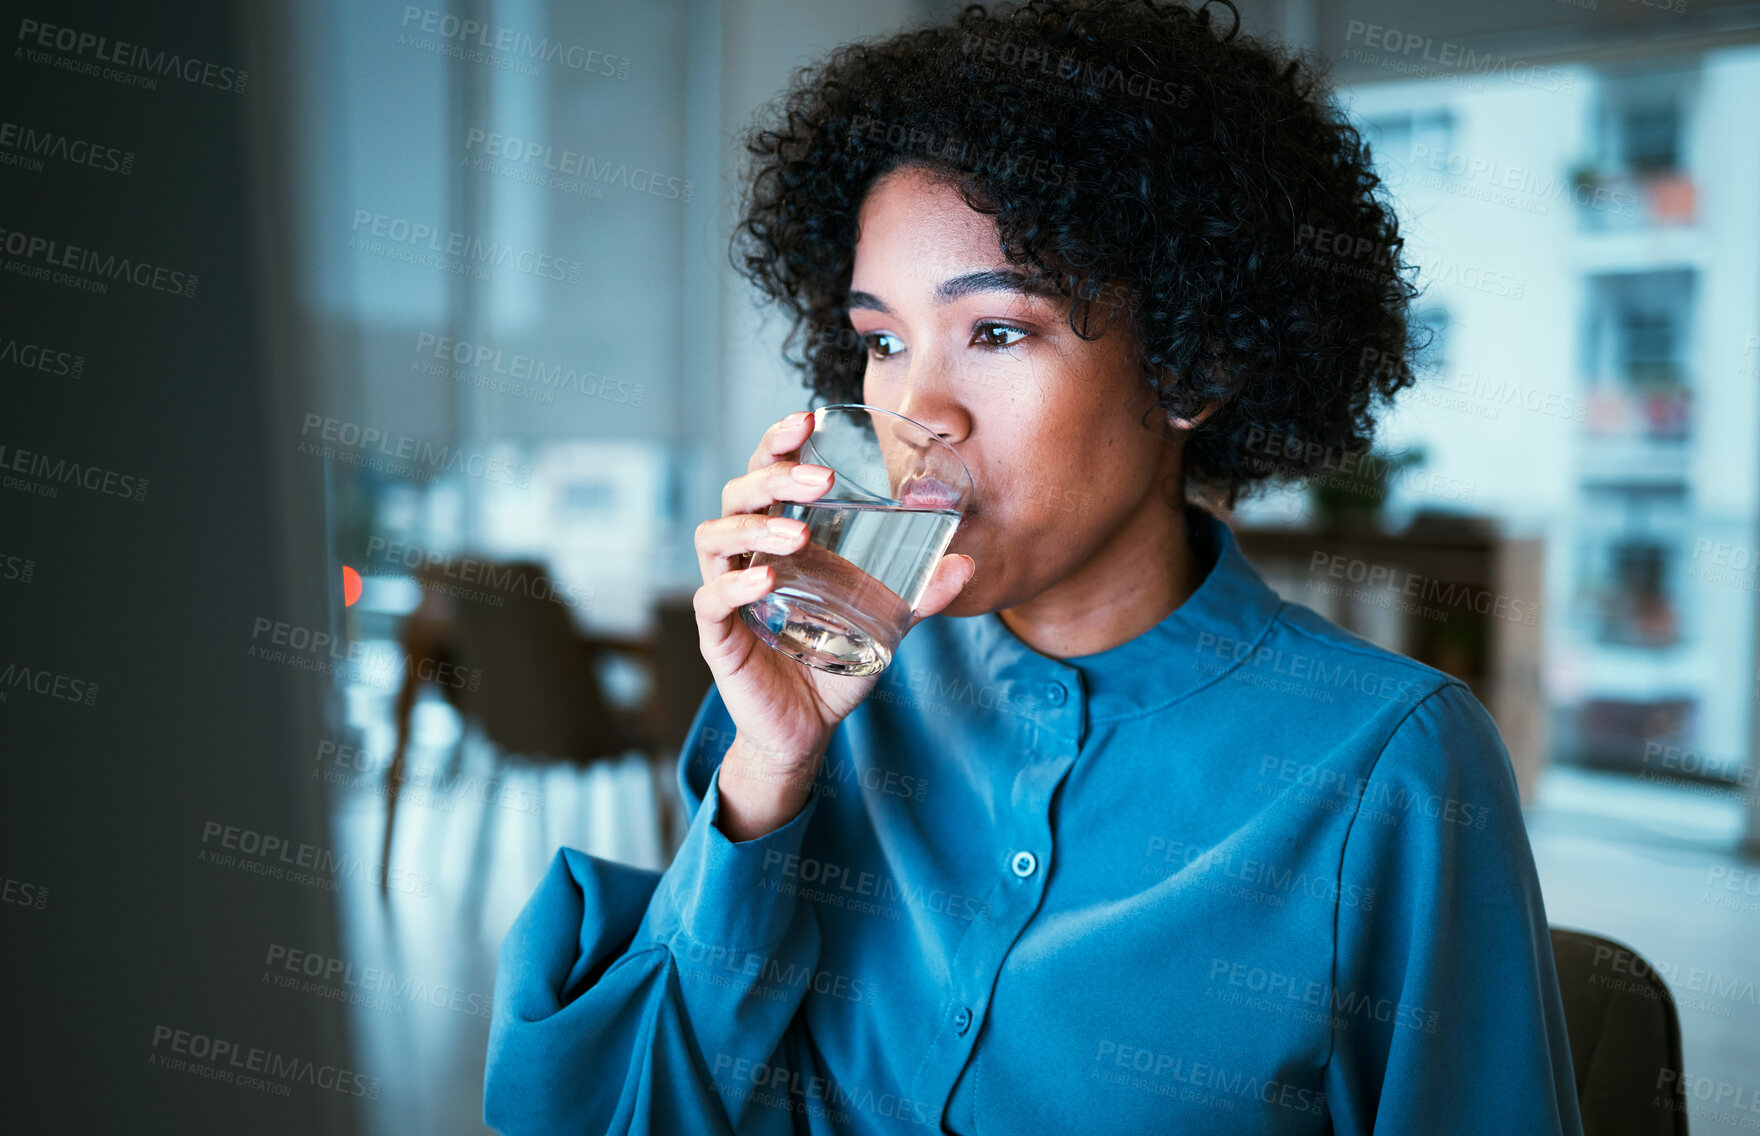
[843, 601]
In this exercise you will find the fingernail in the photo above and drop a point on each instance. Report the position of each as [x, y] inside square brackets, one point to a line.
[752, 575]
[794, 419]
[812, 475]
[780, 527]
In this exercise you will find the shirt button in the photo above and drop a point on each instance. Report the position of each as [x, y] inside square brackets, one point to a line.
[962, 1021]
[1024, 863]
[1055, 692]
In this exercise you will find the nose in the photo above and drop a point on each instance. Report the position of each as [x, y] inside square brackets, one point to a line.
[943, 414]
[936, 481]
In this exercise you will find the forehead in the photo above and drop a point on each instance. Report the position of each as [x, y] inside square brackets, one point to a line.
[913, 221]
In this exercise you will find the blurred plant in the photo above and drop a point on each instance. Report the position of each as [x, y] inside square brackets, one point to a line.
[1352, 498]
[1585, 175]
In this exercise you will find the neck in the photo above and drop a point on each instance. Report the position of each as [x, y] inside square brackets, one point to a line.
[1139, 576]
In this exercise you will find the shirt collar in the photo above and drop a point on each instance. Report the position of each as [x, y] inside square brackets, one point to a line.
[1215, 626]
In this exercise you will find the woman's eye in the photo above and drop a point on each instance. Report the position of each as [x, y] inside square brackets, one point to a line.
[997, 335]
[882, 344]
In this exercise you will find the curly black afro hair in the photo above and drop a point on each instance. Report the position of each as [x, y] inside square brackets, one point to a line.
[1142, 160]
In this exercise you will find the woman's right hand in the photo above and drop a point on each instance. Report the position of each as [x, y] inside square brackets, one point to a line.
[783, 711]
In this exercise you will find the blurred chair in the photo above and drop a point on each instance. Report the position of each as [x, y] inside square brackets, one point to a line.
[681, 677]
[678, 678]
[526, 680]
[1625, 1038]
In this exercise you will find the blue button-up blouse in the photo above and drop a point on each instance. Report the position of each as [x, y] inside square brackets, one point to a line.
[1244, 873]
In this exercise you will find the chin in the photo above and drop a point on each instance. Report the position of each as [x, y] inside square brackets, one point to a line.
[966, 604]
[980, 597]
[982, 594]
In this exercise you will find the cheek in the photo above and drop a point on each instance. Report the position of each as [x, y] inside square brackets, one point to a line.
[1044, 501]
[1088, 484]
[1043, 475]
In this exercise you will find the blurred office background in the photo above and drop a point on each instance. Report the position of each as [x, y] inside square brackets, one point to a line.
[468, 365]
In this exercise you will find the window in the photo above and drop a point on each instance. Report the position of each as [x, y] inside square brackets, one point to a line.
[1633, 541]
[1400, 142]
[1636, 355]
[1648, 137]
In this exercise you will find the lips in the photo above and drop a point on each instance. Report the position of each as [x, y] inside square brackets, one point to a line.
[927, 493]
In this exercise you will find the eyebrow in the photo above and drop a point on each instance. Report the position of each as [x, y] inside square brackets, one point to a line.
[990, 280]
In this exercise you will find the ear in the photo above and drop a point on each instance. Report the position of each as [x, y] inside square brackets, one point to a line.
[1188, 424]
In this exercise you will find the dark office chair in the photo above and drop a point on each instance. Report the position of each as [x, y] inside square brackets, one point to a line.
[1625, 1038]
[681, 679]
[537, 697]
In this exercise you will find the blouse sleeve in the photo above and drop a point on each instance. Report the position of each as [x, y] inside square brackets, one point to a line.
[634, 1001]
[1446, 1009]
